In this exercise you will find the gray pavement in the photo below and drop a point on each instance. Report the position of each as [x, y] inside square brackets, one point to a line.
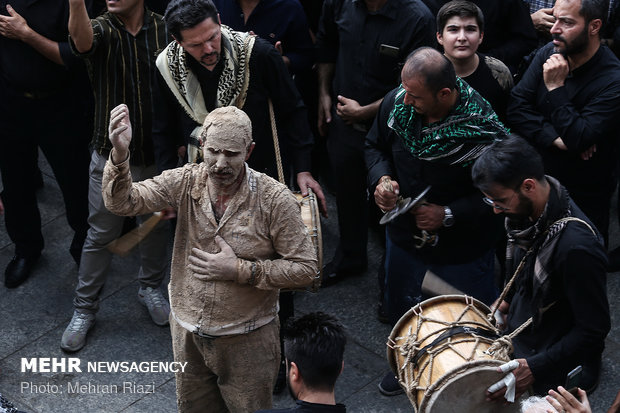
[33, 318]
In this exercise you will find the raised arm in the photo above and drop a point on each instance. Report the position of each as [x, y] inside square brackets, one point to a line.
[80, 28]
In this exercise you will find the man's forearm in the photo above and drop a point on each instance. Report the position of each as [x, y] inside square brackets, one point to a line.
[325, 72]
[46, 47]
[79, 26]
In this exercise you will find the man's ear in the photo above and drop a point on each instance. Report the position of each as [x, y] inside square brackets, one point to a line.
[595, 27]
[528, 185]
[293, 373]
[440, 38]
[444, 93]
[250, 149]
[176, 40]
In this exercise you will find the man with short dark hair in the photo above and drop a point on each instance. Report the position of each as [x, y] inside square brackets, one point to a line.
[209, 66]
[314, 350]
[567, 105]
[429, 131]
[509, 31]
[559, 263]
[119, 48]
[460, 30]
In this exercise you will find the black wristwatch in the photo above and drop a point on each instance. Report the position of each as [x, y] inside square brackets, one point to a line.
[448, 219]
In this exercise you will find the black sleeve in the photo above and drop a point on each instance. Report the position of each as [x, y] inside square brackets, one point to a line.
[290, 111]
[522, 114]
[377, 151]
[327, 37]
[584, 285]
[167, 131]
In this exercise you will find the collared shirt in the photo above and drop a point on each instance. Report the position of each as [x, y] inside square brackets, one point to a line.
[262, 224]
[369, 48]
[274, 20]
[121, 67]
[583, 112]
[536, 5]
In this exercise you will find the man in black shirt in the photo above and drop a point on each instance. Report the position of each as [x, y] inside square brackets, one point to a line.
[314, 350]
[561, 280]
[361, 47]
[209, 66]
[509, 33]
[460, 30]
[43, 89]
[568, 107]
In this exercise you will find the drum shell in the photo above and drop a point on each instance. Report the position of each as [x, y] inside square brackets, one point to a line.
[311, 217]
[463, 364]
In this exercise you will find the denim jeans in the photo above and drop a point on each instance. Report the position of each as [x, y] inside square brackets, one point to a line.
[404, 273]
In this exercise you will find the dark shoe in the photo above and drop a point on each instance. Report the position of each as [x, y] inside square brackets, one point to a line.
[382, 315]
[332, 274]
[18, 271]
[389, 385]
[281, 380]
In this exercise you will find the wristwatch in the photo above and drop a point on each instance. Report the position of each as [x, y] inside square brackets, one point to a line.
[448, 219]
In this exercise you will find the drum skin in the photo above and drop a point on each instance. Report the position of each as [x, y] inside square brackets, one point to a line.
[452, 373]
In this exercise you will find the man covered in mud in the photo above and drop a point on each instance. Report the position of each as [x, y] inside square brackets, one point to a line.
[239, 239]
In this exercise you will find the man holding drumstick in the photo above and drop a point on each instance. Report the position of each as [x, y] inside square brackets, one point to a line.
[560, 265]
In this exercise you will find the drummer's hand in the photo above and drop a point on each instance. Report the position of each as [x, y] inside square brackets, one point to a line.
[522, 378]
[305, 181]
[384, 197]
[500, 314]
[429, 217]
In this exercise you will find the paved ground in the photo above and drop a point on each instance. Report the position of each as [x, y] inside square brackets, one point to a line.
[33, 317]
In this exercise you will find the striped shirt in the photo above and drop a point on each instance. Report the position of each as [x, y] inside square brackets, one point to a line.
[121, 69]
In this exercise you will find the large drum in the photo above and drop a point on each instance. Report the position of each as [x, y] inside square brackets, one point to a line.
[312, 219]
[438, 352]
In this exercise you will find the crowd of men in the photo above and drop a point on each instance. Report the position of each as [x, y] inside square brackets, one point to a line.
[504, 113]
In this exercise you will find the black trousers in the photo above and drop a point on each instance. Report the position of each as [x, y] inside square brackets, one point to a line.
[345, 146]
[60, 125]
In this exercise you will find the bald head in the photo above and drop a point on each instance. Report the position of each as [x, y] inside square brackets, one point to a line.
[431, 67]
[228, 126]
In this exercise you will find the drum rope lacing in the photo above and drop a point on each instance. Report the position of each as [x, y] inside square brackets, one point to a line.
[412, 346]
[503, 345]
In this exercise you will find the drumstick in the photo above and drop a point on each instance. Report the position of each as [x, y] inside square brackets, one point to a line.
[123, 245]
[434, 285]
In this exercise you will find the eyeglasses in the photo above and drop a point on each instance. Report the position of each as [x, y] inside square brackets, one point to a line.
[493, 203]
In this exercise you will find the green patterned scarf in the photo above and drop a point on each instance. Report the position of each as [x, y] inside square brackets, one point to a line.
[459, 138]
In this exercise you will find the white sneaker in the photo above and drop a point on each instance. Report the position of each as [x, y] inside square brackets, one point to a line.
[74, 336]
[158, 306]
